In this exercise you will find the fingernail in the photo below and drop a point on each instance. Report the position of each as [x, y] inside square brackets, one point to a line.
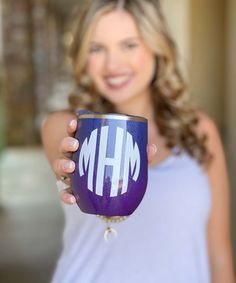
[154, 147]
[72, 199]
[72, 123]
[73, 144]
[68, 165]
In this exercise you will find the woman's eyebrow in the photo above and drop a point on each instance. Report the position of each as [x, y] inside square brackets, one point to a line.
[97, 42]
[132, 37]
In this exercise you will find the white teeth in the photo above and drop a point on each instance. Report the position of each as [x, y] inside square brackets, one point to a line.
[117, 81]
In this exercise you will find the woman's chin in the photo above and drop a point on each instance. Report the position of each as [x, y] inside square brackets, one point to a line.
[120, 98]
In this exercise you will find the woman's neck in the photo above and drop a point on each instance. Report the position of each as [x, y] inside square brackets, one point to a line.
[139, 106]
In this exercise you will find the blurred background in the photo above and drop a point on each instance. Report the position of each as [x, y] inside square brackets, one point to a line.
[35, 79]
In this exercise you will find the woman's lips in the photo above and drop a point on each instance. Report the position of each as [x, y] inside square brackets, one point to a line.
[117, 82]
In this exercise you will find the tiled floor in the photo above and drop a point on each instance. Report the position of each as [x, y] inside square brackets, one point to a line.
[31, 218]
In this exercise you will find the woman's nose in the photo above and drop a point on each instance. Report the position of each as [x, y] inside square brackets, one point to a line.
[114, 61]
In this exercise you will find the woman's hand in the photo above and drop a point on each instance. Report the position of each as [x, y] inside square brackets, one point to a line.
[63, 167]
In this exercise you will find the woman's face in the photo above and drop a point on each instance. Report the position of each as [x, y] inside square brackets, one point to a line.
[119, 63]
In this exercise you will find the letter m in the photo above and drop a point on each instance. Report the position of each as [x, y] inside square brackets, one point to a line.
[87, 157]
[131, 162]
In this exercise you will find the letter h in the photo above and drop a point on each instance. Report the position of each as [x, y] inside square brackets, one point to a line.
[104, 161]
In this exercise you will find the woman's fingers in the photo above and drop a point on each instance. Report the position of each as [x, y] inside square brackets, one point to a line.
[67, 196]
[72, 127]
[68, 145]
[62, 167]
[151, 152]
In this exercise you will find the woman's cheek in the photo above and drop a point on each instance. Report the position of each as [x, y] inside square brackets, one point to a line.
[94, 67]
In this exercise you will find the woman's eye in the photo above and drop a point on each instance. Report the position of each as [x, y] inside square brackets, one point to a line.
[95, 49]
[130, 45]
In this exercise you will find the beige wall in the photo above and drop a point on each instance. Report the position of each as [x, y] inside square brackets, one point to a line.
[231, 102]
[231, 79]
[177, 14]
[1, 37]
[207, 56]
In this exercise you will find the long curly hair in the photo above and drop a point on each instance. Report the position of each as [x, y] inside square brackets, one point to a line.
[176, 120]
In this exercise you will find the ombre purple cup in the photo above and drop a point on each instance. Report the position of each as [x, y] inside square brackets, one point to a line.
[110, 177]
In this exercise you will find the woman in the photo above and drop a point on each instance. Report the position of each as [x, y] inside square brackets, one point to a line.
[125, 62]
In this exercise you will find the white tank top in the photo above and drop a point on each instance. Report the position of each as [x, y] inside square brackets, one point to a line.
[164, 240]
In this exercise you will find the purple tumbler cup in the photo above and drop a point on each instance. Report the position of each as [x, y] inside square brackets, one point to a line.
[110, 177]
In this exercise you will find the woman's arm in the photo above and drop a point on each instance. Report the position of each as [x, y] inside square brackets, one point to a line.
[219, 231]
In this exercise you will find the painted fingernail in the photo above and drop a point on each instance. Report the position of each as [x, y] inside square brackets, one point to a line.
[72, 123]
[73, 144]
[72, 199]
[154, 147]
[68, 165]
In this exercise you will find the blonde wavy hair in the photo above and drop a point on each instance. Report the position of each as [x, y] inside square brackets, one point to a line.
[174, 117]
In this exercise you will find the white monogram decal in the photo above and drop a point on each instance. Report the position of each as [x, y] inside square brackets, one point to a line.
[131, 161]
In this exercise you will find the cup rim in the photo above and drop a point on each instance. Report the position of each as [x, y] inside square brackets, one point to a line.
[112, 116]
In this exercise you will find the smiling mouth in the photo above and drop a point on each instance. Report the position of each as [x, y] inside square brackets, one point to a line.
[118, 82]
